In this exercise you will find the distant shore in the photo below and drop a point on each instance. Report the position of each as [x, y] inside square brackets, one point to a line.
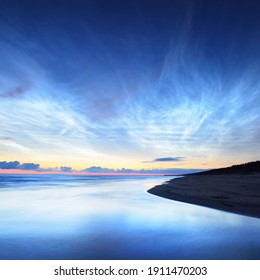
[238, 194]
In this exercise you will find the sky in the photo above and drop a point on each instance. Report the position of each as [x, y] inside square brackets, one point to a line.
[129, 85]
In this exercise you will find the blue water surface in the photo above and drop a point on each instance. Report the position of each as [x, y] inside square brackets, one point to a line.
[100, 217]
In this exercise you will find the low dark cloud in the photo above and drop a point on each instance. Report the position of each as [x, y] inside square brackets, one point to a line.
[172, 171]
[9, 165]
[66, 169]
[48, 169]
[169, 159]
[16, 165]
[165, 159]
[29, 166]
[98, 169]
[94, 169]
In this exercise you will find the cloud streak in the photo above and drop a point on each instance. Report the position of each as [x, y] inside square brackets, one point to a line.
[166, 159]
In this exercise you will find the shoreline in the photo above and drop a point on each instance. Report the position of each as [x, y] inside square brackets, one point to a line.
[239, 194]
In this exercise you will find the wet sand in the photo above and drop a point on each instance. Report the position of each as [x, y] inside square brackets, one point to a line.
[233, 193]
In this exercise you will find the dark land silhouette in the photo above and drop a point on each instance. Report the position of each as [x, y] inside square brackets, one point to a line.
[245, 168]
[234, 189]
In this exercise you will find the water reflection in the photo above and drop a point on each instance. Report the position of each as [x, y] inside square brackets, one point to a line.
[69, 217]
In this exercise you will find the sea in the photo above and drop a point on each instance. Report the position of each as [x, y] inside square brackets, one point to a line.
[68, 217]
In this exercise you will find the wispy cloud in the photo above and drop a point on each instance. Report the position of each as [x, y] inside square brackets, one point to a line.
[83, 93]
[15, 92]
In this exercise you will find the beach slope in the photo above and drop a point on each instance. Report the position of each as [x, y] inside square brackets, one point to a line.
[236, 193]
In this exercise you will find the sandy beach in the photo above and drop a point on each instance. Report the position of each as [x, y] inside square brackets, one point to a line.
[234, 193]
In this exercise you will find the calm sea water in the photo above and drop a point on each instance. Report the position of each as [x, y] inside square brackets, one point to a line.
[81, 217]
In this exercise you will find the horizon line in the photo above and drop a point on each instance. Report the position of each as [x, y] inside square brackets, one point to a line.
[34, 172]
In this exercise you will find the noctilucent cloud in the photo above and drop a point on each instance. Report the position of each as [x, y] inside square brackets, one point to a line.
[129, 84]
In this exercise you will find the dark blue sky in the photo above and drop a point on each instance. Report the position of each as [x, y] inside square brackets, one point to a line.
[121, 83]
